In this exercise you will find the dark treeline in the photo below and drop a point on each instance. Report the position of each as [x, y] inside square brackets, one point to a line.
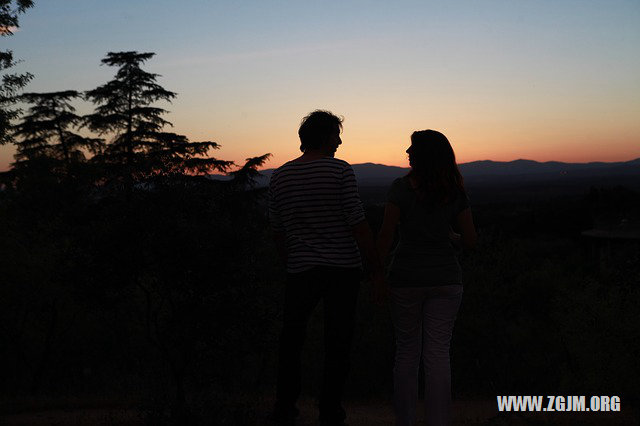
[168, 298]
[125, 269]
[49, 142]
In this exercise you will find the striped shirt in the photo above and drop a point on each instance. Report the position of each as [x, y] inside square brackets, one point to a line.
[315, 204]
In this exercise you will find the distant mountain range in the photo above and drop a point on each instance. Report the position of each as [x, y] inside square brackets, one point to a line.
[502, 172]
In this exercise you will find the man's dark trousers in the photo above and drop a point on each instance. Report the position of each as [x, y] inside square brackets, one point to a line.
[338, 288]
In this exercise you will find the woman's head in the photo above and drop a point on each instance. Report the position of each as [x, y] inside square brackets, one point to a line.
[319, 129]
[433, 164]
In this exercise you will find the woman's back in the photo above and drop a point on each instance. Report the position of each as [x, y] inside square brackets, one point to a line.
[425, 255]
[425, 275]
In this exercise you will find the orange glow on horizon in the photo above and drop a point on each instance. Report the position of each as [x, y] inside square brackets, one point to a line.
[357, 150]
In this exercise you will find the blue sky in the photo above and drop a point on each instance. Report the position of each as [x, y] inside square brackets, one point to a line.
[545, 80]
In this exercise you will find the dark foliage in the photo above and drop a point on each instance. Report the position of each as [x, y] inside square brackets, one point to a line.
[11, 83]
[45, 135]
[161, 292]
[130, 288]
[171, 296]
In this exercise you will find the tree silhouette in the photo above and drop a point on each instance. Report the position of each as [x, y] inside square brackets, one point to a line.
[11, 83]
[140, 149]
[155, 283]
[247, 175]
[45, 131]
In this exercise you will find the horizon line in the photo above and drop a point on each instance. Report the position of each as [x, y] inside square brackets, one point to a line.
[487, 160]
[459, 164]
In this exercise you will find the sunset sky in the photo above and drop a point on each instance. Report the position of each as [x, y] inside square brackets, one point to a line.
[535, 79]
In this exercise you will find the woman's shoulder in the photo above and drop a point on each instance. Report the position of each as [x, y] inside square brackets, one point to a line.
[401, 182]
[461, 200]
[399, 190]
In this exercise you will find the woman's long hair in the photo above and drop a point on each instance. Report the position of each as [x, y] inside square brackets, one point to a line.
[433, 166]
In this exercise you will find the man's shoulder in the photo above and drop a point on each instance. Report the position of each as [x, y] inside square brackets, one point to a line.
[326, 161]
[283, 167]
[339, 161]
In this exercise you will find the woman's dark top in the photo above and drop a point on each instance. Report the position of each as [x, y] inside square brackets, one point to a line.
[425, 255]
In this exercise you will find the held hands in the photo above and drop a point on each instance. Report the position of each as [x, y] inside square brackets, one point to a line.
[379, 290]
[455, 239]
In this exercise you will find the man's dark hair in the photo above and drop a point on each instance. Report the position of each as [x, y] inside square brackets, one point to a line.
[316, 128]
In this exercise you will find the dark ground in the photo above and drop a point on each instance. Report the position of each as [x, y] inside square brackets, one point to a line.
[546, 311]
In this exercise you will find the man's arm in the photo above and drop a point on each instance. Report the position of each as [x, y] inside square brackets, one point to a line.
[354, 216]
[280, 239]
[364, 237]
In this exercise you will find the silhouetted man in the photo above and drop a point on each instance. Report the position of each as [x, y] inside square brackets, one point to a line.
[318, 223]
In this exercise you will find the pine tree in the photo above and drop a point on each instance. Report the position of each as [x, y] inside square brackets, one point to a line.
[45, 132]
[139, 148]
[248, 174]
[11, 83]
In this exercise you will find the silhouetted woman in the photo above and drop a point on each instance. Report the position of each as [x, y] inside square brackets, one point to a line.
[431, 209]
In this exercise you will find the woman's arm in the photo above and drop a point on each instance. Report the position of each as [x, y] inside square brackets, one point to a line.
[385, 239]
[467, 230]
[387, 231]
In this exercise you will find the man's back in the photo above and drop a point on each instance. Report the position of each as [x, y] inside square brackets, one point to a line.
[315, 204]
[316, 217]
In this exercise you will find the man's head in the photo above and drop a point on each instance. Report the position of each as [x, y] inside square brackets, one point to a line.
[320, 131]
